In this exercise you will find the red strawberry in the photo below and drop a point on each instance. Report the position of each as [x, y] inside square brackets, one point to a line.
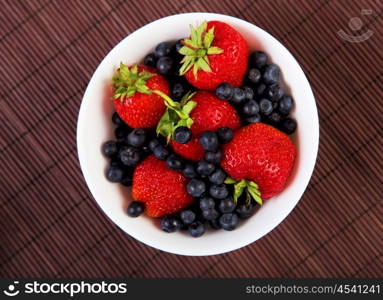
[260, 154]
[203, 112]
[161, 189]
[215, 53]
[137, 95]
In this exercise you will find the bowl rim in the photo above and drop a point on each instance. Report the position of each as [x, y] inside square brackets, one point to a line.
[82, 155]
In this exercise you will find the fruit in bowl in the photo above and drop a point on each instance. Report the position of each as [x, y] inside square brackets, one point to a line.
[206, 134]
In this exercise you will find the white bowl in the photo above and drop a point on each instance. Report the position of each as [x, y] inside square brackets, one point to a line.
[94, 127]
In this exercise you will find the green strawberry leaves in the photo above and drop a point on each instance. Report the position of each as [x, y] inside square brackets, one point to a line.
[127, 81]
[176, 114]
[197, 48]
[251, 188]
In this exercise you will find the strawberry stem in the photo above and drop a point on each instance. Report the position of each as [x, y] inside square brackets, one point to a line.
[252, 189]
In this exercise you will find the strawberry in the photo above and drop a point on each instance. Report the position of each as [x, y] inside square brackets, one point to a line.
[202, 111]
[161, 189]
[138, 95]
[215, 53]
[259, 158]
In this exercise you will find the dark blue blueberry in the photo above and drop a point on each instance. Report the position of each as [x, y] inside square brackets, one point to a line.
[258, 59]
[285, 105]
[189, 171]
[121, 132]
[137, 138]
[275, 118]
[160, 152]
[288, 126]
[210, 214]
[253, 119]
[153, 144]
[245, 211]
[228, 221]
[227, 206]
[249, 93]
[274, 92]
[271, 74]
[187, 216]
[178, 46]
[215, 224]
[250, 108]
[196, 229]
[129, 156]
[265, 107]
[219, 191]
[254, 76]
[163, 49]
[238, 96]
[170, 223]
[150, 60]
[165, 65]
[127, 180]
[213, 157]
[146, 149]
[178, 90]
[209, 141]
[196, 187]
[116, 119]
[174, 162]
[110, 148]
[206, 203]
[205, 168]
[114, 174]
[218, 176]
[135, 209]
[224, 91]
[182, 135]
[260, 90]
[225, 134]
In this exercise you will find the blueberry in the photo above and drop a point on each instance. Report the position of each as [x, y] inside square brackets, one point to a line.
[170, 224]
[117, 120]
[121, 132]
[110, 148]
[114, 174]
[189, 171]
[228, 221]
[129, 156]
[196, 187]
[250, 108]
[271, 74]
[219, 191]
[227, 206]
[205, 168]
[150, 60]
[265, 107]
[285, 105]
[135, 209]
[178, 90]
[163, 49]
[209, 141]
[258, 59]
[225, 134]
[238, 96]
[210, 214]
[224, 91]
[275, 118]
[178, 46]
[288, 126]
[249, 93]
[127, 180]
[160, 152]
[213, 157]
[261, 89]
[254, 76]
[245, 211]
[274, 92]
[153, 144]
[165, 65]
[174, 162]
[215, 224]
[146, 149]
[187, 216]
[137, 138]
[218, 176]
[253, 119]
[182, 135]
[196, 229]
[206, 203]
[115, 162]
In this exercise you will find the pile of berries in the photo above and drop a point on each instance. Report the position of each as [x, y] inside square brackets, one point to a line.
[201, 132]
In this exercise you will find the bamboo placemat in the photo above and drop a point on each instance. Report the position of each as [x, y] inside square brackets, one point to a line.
[51, 227]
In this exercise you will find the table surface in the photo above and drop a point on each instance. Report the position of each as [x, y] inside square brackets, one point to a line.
[50, 226]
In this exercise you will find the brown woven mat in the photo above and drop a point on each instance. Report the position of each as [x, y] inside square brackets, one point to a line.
[51, 226]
